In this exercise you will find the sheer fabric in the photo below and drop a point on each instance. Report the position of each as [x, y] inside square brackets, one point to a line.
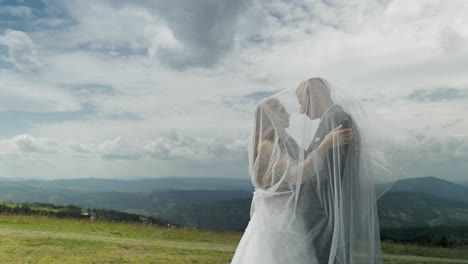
[315, 197]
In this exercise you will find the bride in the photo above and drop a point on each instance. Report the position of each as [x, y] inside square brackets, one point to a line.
[314, 200]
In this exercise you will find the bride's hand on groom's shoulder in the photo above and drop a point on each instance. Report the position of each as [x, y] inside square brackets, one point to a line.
[338, 137]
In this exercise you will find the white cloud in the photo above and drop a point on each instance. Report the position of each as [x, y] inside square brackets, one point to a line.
[182, 39]
[451, 40]
[119, 148]
[438, 150]
[193, 72]
[27, 143]
[27, 92]
[21, 50]
[172, 147]
[175, 147]
[80, 148]
[456, 148]
[160, 38]
[22, 11]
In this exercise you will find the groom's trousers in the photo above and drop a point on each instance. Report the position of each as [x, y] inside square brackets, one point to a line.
[317, 221]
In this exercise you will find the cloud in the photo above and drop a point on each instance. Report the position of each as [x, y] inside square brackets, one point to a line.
[457, 147]
[119, 148]
[27, 143]
[26, 92]
[246, 103]
[175, 147]
[21, 11]
[452, 40]
[160, 39]
[165, 31]
[21, 50]
[171, 147]
[438, 95]
[200, 37]
[120, 74]
[257, 96]
[420, 154]
[441, 150]
[80, 148]
[453, 123]
[30, 118]
[89, 90]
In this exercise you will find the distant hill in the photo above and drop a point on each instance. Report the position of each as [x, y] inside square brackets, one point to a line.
[139, 185]
[463, 183]
[151, 203]
[229, 214]
[396, 210]
[411, 209]
[434, 186]
[423, 203]
[224, 204]
[72, 211]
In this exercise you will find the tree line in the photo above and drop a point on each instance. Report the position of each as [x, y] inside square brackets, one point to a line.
[439, 236]
[76, 212]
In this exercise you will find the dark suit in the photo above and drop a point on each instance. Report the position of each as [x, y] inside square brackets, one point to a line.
[320, 195]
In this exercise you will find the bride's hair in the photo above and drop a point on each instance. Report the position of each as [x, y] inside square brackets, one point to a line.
[264, 125]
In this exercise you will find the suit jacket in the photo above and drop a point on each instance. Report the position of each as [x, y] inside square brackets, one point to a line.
[334, 117]
[319, 195]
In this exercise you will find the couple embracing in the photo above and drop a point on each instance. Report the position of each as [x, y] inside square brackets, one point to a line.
[314, 200]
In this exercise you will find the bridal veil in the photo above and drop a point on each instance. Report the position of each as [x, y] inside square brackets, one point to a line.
[314, 203]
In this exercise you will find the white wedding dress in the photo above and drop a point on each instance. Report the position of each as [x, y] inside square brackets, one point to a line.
[267, 240]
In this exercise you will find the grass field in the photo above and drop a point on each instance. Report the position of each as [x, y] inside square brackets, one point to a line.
[33, 239]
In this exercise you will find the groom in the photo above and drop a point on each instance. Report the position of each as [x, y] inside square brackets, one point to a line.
[315, 99]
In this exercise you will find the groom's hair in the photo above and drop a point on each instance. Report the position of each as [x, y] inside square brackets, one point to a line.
[317, 83]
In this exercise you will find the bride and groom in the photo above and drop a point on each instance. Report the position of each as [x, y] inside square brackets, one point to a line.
[312, 204]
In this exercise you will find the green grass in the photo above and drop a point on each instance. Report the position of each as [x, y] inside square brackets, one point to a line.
[122, 230]
[390, 248]
[65, 250]
[38, 239]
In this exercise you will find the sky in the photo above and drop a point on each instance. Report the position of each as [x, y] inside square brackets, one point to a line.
[150, 89]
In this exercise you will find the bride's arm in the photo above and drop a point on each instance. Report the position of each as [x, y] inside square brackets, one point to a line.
[275, 164]
[306, 170]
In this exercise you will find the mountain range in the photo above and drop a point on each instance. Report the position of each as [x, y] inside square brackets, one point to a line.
[224, 204]
[433, 186]
[139, 185]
